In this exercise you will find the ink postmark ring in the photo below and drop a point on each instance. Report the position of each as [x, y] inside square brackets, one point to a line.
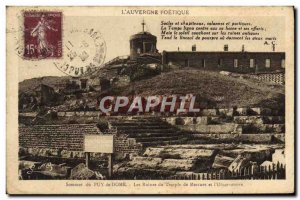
[84, 53]
[77, 52]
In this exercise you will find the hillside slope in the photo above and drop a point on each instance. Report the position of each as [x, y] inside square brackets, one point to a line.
[34, 83]
[211, 88]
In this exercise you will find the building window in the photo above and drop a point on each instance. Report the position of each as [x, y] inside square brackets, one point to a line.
[252, 63]
[282, 63]
[235, 63]
[186, 63]
[220, 62]
[268, 63]
[147, 47]
[203, 63]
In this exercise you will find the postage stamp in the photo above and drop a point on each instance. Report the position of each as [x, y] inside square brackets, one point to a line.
[42, 35]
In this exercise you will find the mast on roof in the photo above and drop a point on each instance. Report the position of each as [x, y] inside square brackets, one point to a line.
[143, 24]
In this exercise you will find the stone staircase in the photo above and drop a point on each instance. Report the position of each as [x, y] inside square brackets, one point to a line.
[149, 131]
[246, 125]
[257, 125]
[211, 138]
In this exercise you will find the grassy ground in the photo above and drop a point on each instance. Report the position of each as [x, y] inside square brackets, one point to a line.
[211, 88]
[33, 84]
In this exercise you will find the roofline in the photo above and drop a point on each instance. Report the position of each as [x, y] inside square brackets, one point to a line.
[57, 125]
[225, 52]
[142, 35]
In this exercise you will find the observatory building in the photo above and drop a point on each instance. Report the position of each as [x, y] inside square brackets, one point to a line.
[232, 61]
[142, 43]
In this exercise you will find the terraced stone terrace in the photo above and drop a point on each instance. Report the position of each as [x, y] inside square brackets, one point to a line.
[165, 146]
[218, 139]
[149, 131]
[247, 125]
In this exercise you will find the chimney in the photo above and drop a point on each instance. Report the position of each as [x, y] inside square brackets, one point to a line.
[273, 46]
[226, 47]
[194, 47]
[243, 48]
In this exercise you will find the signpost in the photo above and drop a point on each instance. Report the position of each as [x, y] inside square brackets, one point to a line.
[99, 144]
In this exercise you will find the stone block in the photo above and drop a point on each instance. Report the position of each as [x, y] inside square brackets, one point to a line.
[268, 128]
[216, 128]
[222, 161]
[215, 120]
[69, 114]
[209, 112]
[259, 138]
[202, 120]
[24, 164]
[78, 154]
[153, 152]
[248, 119]
[145, 162]
[241, 111]
[79, 114]
[180, 120]
[279, 128]
[81, 172]
[34, 151]
[178, 164]
[261, 111]
[65, 154]
[54, 152]
[179, 153]
[43, 152]
[171, 120]
[280, 136]
[226, 112]
[92, 113]
[188, 120]
[61, 114]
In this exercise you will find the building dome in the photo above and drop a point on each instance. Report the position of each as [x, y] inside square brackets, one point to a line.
[142, 35]
[142, 43]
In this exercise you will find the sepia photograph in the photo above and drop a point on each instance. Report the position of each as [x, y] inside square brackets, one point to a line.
[150, 100]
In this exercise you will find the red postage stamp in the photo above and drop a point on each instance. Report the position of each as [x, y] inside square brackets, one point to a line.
[42, 35]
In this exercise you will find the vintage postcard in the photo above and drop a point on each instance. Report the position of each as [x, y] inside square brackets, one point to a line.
[150, 100]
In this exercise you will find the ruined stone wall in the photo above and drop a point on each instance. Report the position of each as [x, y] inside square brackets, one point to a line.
[261, 125]
[58, 153]
[277, 78]
[122, 146]
[67, 140]
[125, 145]
[78, 113]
